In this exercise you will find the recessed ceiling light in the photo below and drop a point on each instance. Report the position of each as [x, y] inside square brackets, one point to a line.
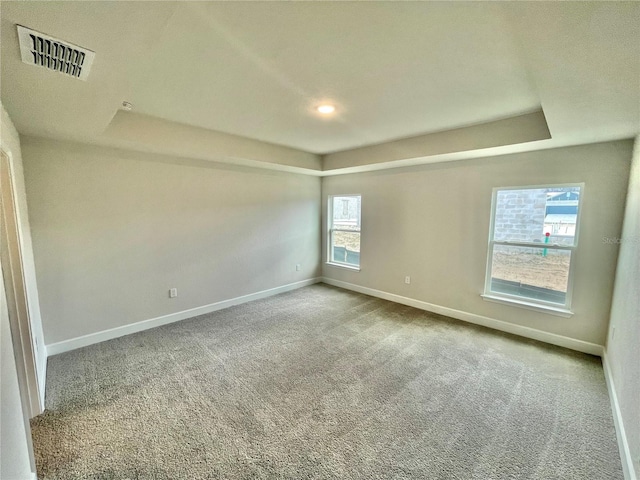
[326, 109]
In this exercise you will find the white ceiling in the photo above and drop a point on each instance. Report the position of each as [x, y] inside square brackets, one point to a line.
[394, 69]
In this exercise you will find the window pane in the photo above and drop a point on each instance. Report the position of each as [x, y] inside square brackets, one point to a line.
[533, 273]
[346, 213]
[345, 247]
[561, 215]
[544, 215]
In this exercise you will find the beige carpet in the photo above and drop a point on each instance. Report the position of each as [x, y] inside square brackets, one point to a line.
[325, 383]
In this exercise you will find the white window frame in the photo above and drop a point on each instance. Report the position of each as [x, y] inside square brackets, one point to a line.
[524, 302]
[331, 229]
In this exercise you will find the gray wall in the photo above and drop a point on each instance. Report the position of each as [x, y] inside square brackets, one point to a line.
[113, 230]
[623, 346]
[432, 223]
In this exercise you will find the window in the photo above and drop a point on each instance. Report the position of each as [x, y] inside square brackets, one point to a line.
[344, 230]
[532, 242]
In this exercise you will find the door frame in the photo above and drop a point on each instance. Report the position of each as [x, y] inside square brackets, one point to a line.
[15, 289]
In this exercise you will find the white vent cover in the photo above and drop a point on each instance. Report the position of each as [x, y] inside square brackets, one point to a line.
[42, 50]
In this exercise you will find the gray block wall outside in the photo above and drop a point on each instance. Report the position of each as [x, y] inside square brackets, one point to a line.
[520, 215]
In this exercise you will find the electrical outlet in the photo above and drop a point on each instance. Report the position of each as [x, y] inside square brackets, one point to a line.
[407, 279]
[173, 293]
[297, 267]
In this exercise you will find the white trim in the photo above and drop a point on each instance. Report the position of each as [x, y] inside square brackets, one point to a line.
[572, 248]
[538, 307]
[330, 229]
[527, 332]
[343, 265]
[16, 271]
[623, 444]
[538, 245]
[90, 339]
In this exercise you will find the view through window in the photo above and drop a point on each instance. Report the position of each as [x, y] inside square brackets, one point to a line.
[344, 229]
[533, 238]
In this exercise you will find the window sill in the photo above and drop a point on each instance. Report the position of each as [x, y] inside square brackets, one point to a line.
[558, 311]
[343, 265]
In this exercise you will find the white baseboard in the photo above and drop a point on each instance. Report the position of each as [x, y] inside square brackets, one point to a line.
[623, 444]
[552, 338]
[83, 341]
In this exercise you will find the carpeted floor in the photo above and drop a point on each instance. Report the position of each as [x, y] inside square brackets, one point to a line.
[325, 383]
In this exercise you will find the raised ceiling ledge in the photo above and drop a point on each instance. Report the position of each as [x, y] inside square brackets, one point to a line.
[528, 127]
[154, 135]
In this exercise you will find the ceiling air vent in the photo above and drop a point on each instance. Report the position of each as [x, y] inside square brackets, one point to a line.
[39, 49]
